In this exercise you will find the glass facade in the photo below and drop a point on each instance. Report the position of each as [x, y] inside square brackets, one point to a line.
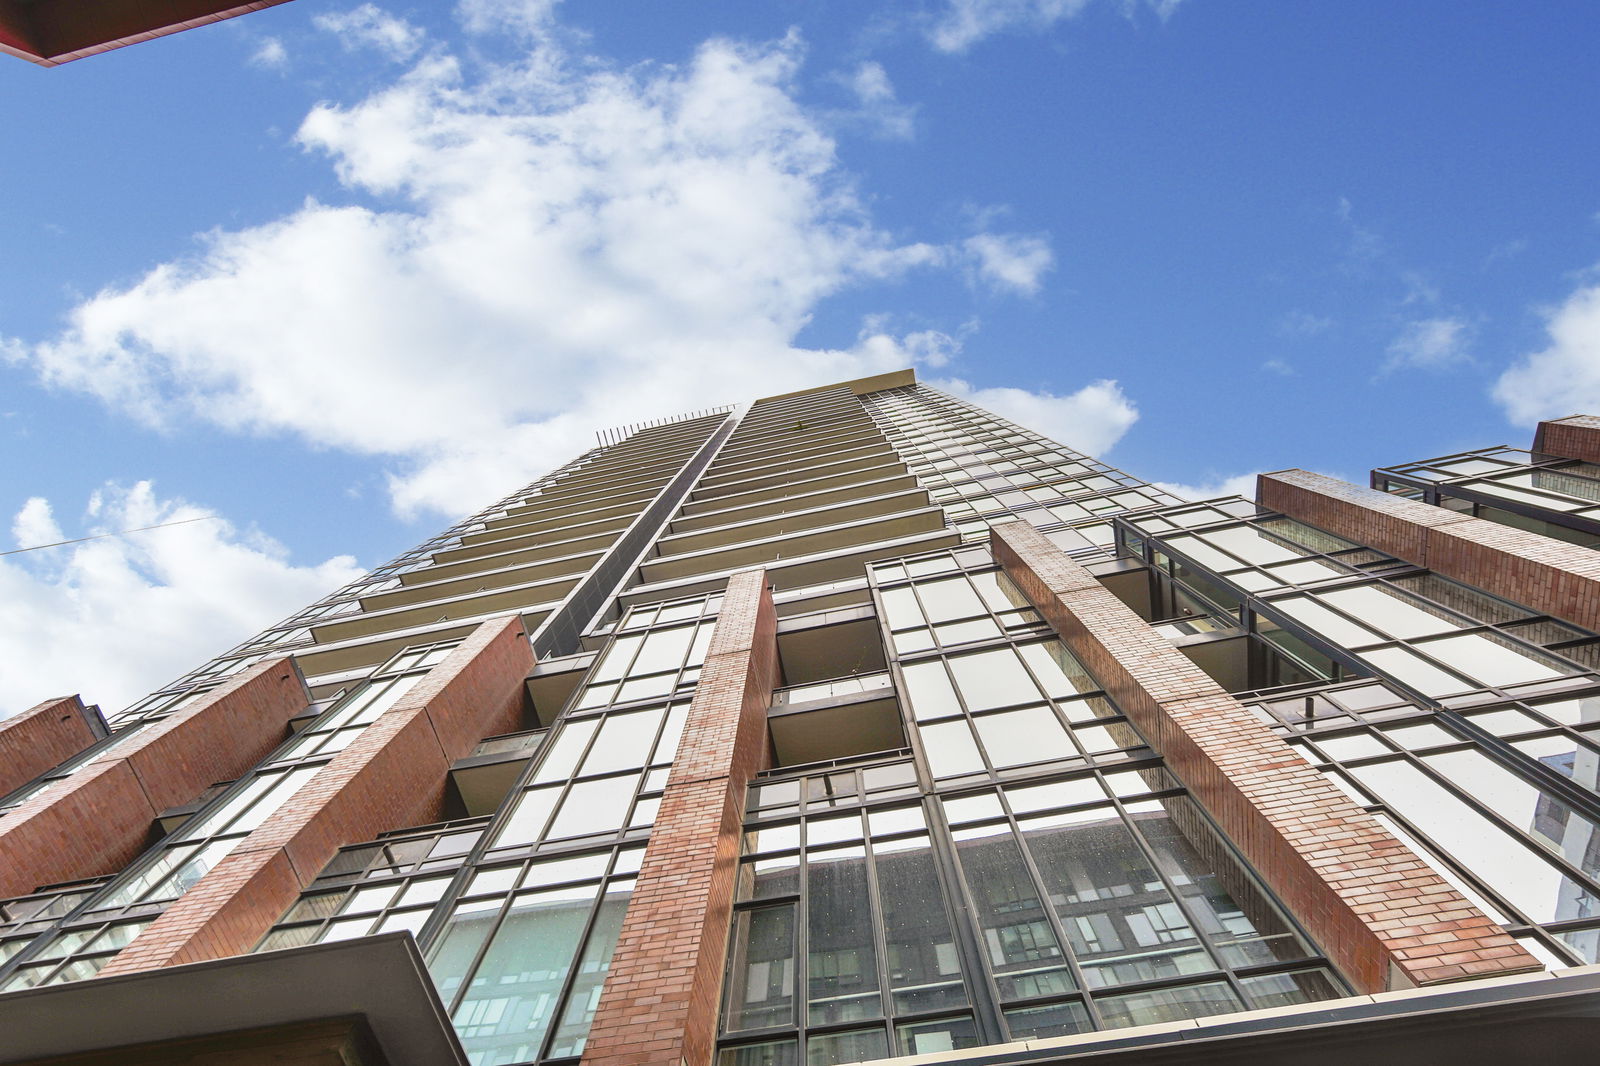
[957, 838]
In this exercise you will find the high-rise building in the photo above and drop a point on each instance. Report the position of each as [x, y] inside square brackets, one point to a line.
[862, 725]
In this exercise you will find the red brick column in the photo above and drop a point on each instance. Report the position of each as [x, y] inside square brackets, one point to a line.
[662, 993]
[97, 820]
[1550, 576]
[1577, 437]
[43, 737]
[1379, 912]
[392, 776]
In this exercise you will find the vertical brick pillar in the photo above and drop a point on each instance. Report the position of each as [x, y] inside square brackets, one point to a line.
[661, 995]
[1577, 437]
[1379, 912]
[98, 819]
[392, 776]
[43, 737]
[1550, 576]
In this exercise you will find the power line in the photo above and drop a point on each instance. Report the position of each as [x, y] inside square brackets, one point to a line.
[119, 533]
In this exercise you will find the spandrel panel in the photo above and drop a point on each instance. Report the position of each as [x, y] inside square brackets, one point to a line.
[1057, 669]
[1489, 661]
[950, 749]
[594, 807]
[1393, 612]
[1168, 1005]
[624, 742]
[948, 599]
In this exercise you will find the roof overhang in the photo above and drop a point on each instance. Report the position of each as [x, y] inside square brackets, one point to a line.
[379, 980]
[52, 32]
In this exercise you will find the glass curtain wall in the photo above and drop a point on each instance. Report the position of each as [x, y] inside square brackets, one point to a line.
[1046, 876]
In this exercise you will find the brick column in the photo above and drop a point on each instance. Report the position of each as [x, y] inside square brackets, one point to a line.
[1550, 576]
[1379, 912]
[392, 776]
[1577, 437]
[43, 737]
[98, 820]
[661, 996]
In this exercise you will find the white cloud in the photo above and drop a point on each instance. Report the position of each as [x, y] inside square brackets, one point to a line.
[877, 104]
[1303, 324]
[1010, 261]
[962, 23]
[114, 619]
[1090, 420]
[35, 525]
[1564, 378]
[369, 26]
[270, 54]
[1236, 485]
[562, 246]
[1279, 367]
[529, 18]
[1430, 344]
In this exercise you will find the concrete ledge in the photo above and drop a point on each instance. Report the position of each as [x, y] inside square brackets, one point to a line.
[380, 980]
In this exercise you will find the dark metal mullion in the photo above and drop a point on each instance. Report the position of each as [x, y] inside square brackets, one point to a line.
[579, 950]
[880, 939]
[976, 973]
[1439, 854]
[1068, 956]
[799, 937]
[1590, 804]
[1523, 765]
[1188, 912]
[483, 948]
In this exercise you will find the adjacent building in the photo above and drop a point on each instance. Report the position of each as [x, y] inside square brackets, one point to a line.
[860, 725]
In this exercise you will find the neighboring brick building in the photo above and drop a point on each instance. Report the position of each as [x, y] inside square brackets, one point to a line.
[863, 725]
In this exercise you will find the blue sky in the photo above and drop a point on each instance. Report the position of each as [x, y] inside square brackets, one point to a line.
[339, 273]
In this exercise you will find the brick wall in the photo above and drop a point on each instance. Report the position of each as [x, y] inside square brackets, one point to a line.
[1379, 912]
[43, 737]
[1577, 437]
[661, 997]
[392, 776]
[97, 820]
[1550, 576]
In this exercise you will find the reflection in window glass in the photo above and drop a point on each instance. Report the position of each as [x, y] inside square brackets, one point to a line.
[761, 974]
[1241, 924]
[1503, 863]
[841, 962]
[1168, 1005]
[1022, 949]
[512, 995]
[1123, 924]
